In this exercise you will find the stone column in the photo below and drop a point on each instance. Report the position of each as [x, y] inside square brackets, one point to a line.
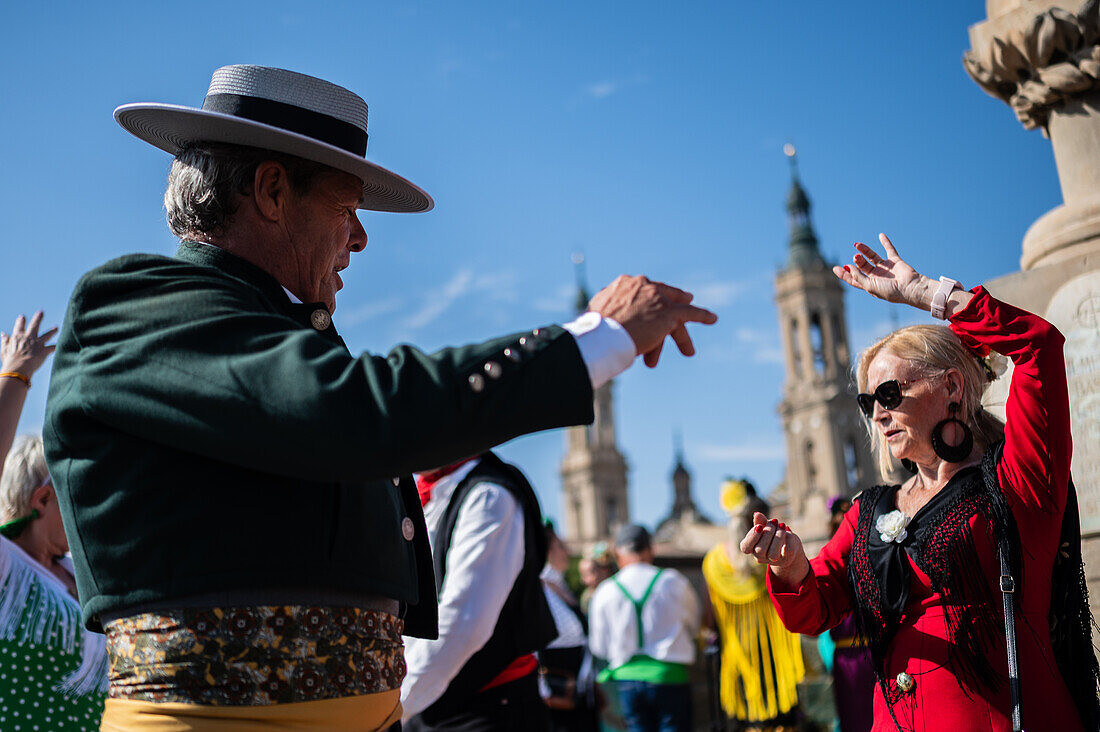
[1042, 58]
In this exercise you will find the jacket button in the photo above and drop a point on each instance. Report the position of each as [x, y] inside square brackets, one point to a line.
[541, 333]
[528, 344]
[407, 529]
[320, 319]
[512, 355]
[493, 369]
[477, 382]
[905, 682]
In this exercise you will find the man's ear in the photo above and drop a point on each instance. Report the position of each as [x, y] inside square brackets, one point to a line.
[271, 189]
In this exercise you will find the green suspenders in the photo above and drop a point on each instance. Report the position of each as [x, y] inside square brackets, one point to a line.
[639, 603]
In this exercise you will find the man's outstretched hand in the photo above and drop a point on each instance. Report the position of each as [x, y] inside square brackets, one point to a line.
[649, 311]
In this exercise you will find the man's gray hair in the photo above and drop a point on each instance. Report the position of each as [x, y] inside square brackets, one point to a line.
[24, 471]
[206, 179]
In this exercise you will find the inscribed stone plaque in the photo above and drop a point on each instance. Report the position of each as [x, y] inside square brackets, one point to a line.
[1075, 310]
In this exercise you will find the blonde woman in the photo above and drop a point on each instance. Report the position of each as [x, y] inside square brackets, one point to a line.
[917, 563]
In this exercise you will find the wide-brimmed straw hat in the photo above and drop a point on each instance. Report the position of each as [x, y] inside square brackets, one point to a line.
[283, 111]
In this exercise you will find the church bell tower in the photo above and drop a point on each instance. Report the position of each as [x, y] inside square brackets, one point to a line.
[593, 470]
[827, 447]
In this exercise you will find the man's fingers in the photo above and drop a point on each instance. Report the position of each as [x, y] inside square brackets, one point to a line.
[36, 320]
[20, 323]
[48, 334]
[651, 357]
[693, 314]
[674, 293]
[683, 340]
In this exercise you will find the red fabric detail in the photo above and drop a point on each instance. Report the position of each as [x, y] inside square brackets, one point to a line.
[1034, 474]
[427, 479]
[515, 670]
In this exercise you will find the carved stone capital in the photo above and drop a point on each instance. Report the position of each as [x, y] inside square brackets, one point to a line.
[1033, 62]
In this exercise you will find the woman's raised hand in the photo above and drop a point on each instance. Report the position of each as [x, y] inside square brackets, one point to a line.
[24, 350]
[772, 543]
[889, 278]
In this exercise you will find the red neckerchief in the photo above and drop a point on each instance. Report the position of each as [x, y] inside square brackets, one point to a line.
[426, 481]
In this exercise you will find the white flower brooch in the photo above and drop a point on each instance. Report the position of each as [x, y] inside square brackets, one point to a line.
[891, 526]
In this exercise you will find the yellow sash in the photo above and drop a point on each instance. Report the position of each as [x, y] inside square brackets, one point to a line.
[352, 714]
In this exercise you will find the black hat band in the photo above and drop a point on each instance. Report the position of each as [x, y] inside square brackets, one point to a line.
[320, 127]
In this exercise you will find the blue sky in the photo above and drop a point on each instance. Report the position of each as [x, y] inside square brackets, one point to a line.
[646, 135]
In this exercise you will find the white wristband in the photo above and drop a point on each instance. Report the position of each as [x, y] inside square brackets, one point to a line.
[939, 300]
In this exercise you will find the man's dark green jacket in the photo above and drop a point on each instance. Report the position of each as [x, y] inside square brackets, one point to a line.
[206, 435]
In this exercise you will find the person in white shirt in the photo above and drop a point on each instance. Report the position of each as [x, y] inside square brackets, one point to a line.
[488, 546]
[643, 623]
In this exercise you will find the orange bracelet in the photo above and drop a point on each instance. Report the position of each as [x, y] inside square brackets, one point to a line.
[16, 375]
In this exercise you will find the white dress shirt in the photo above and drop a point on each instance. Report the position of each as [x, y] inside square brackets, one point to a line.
[670, 617]
[484, 560]
[605, 346]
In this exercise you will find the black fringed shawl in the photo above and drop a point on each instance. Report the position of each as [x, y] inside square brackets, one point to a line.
[942, 546]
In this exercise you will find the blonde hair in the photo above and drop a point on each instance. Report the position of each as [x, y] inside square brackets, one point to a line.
[932, 350]
[24, 471]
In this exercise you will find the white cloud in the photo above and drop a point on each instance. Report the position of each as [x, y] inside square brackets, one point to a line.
[607, 87]
[497, 286]
[741, 452]
[437, 301]
[602, 89]
[367, 311]
[718, 294]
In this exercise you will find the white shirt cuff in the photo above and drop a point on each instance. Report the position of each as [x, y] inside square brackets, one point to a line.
[605, 346]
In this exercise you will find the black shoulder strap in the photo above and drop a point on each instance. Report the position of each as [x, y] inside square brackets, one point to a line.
[999, 506]
[1070, 617]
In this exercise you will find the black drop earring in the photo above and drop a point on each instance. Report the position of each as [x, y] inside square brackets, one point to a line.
[952, 453]
[909, 465]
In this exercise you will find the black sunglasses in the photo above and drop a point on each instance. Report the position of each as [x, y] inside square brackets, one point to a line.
[888, 394]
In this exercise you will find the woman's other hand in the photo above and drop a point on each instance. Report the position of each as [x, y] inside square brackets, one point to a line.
[771, 542]
[24, 351]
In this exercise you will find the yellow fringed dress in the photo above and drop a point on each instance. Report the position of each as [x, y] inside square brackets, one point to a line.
[761, 660]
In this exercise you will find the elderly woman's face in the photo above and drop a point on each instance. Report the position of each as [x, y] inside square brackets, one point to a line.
[907, 428]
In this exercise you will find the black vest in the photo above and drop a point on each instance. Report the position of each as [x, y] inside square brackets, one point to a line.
[525, 624]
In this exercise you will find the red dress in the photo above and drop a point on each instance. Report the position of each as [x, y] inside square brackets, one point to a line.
[1034, 476]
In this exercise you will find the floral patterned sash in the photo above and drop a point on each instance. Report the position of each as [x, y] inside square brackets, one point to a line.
[253, 656]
